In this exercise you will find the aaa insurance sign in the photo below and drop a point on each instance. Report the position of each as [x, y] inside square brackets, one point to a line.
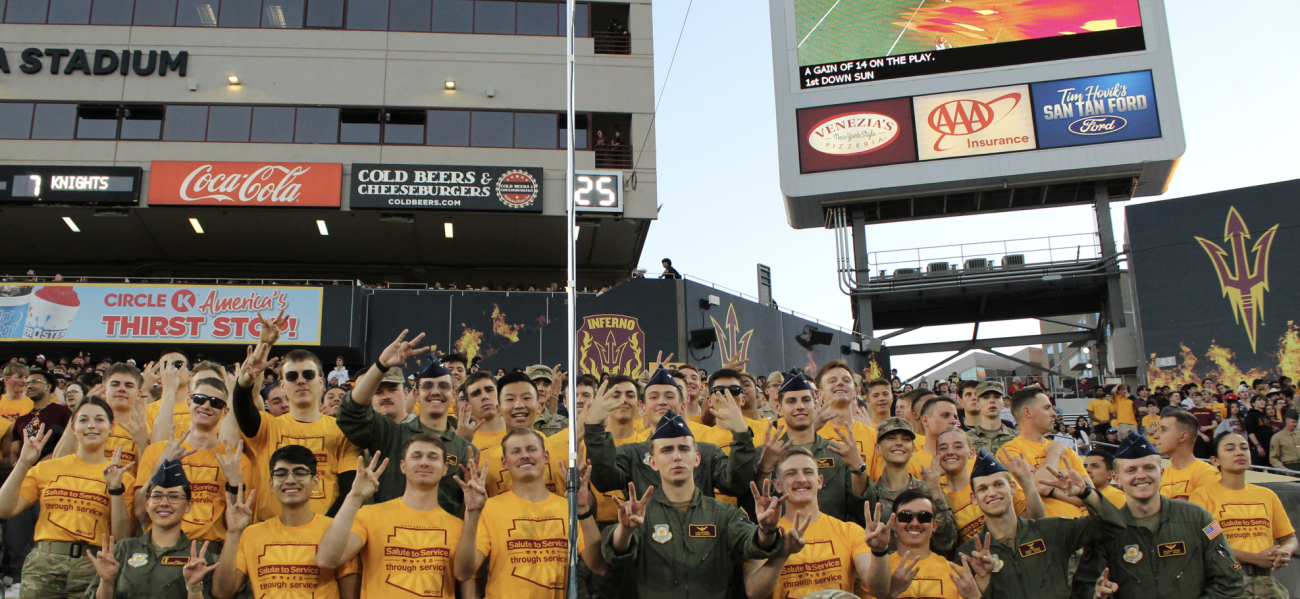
[974, 123]
[156, 313]
[1094, 110]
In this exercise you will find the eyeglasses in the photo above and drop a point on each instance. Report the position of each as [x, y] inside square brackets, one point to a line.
[922, 517]
[430, 386]
[216, 402]
[172, 498]
[281, 474]
[307, 375]
[734, 389]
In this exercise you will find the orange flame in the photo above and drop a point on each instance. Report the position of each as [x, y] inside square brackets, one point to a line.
[1223, 365]
[875, 371]
[469, 343]
[504, 329]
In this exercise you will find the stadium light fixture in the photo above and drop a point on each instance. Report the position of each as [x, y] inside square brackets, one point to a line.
[71, 225]
[448, 231]
[449, 85]
[194, 222]
[233, 79]
[320, 226]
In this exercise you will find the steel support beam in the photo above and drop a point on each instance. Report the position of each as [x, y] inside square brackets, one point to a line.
[865, 324]
[1106, 235]
[932, 367]
[898, 332]
[960, 346]
[1068, 324]
[1032, 365]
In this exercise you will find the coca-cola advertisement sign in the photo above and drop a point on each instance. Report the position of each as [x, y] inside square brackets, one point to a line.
[265, 184]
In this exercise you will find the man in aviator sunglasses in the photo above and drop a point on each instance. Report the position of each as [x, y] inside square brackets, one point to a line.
[211, 467]
[914, 569]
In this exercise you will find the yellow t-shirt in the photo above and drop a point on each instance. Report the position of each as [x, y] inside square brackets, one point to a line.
[1034, 454]
[280, 561]
[826, 562]
[526, 545]
[180, 417]
[932, 579]
[407, 552]
[1101, 410]
[206, 520]
[865, 438]
[1220, 408]
[1149, 423]
[967, 513]
[120, 438]
[1252, 519]
[334, 454]
[1125, 413]
[498, 478]
[484, 441]
[11, 409]
[1180, 484]
[1114, 496]
[73, 498]
[5, 425]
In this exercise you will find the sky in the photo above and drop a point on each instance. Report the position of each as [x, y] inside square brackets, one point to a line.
[722, 209]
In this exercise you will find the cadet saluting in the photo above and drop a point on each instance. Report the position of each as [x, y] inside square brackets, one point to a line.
[1168, 548]
[679, 543]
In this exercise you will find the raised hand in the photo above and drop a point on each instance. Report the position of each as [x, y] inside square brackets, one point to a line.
[961, 577]
[904, 574]
[1020, 469]
[366, 482]
[228, 460]
[878, 532]
[105, 566]
[631, 513]
[399, 351]
[847, 448]
[660, 359]
[466, 425]
[932, 480]
[197, 567]
[602, 405]
[257, 361]
[766, 507]
[113, 471]
[1068, 481]
[150, 375]
[172, 377]
[584, 480]
[270, 329]
[821, 415]
[773, 446]
[737, 365]
[982, 561]
[32, 445]
[558, 382]
[474, 486]
[239, 510]
[1105, 588]
[793, 541]
[726, 409]
[137, 425]
[175, 449]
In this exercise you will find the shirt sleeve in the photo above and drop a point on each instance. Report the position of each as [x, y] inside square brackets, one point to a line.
[347, 456]
[857, 540]
[241, 562]
[483, 539]
[359, 527]
[148, 458]
[1281, 522]
[30, 490]
[352, 567]
[361, 427]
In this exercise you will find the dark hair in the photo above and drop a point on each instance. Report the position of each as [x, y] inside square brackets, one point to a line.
[515, 377]
[587, 380]
[92, 400]
[910, 495]
[185, 488]
[1106, 457]
[302, 355]
[174, 350]
[1185, 421]
[296, 455]
[455, 357]
[1218, 440]
[911, 397]
[213, 382]
[1021, 398]
[124, 368]
[49, 378]
[619, 379]
[964, 385]
[936, 400]
[880, 382]
[425, 437]
[475, 377]
[724, 373]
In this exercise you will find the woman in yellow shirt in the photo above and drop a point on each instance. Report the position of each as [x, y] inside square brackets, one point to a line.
[76, 494]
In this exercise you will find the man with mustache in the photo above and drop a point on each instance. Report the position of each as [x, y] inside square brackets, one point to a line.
[434, 394]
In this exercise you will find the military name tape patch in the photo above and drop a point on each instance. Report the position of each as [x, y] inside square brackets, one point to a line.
[174, 560]
[1033, 548]
[825, 462]
[702, 531]
[1171, 549]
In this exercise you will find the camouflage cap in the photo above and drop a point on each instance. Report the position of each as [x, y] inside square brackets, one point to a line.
[394, 375]
[989, 386]
[894, 424]
[539, 371]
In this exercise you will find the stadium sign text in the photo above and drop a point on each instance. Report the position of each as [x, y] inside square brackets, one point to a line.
[99, 62]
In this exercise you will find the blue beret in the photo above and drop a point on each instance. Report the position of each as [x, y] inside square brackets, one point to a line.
[795, 382]
[671, 426]
[171, 474]
[986, 465]
[434, 370]
[661, 377]
[1135, 446]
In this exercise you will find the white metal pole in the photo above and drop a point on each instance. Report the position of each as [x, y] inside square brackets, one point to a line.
[571, 294]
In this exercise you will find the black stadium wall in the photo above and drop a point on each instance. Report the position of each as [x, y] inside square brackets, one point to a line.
[1214, 297]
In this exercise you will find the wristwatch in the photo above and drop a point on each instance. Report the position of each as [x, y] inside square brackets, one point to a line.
[860, 469]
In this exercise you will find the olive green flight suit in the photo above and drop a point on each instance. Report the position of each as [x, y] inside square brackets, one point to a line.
[373, 432]
[695, 554]
[612, 468]
[1180, 561]
[149, 572]
[836, 497]
[1036, 566]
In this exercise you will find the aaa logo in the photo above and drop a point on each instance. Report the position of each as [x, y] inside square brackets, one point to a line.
[1246, 280]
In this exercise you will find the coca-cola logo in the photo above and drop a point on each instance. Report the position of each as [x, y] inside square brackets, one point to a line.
[270, 183]
[958, 118]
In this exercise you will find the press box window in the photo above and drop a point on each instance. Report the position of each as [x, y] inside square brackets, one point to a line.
[54, 121]
[369, 15]
[240, 13]
[155, 12]
[317, 126]
[26, 11]
[535, 130]
[579, 134]
[111, 12]
[96, 122]
[492, 129]
[284, 14]
[540, 18]
[404, 127]
[448, 128]
[408, 15]
[69, 12]
[186, 123]
[15, 120]
[142, 122]
[494, 16]
[453, 16]
[196, 13]
[273, 124]
[359, 126]
[229, 123]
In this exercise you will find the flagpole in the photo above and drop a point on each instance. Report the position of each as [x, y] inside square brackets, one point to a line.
[571, 295]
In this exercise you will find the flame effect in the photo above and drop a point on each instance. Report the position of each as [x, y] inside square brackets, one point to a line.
[874, 371]
[1223, 366]
[469, 343]
[504, 329]
[734, 345]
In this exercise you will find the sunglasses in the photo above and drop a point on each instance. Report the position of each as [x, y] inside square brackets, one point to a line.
[216, 402]
[906, 517]
[734, 389]
[178, 363]
[307, 375]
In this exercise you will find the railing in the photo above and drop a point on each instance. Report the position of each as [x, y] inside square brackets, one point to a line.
[615, 157]
[795, 313]
[612, 42]
[970, 256]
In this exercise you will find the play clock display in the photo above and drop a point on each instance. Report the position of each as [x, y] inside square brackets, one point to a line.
[97, 185]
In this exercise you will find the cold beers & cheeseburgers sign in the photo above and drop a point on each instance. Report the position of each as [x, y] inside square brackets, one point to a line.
[446, 188]
[265, 184]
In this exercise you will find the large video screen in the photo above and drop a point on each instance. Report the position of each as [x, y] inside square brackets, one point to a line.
[844, 42]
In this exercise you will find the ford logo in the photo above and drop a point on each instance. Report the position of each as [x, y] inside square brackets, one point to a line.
[1098, 125]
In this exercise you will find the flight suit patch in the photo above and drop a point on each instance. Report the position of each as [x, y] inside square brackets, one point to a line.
[997, 563]
[451, 460]
[662, 534]
[1132, 554]
[1171, 549]
[825, 462]
[646, 459]
[702, 531]
[138, 560]
[1033, 548]
[174, 560]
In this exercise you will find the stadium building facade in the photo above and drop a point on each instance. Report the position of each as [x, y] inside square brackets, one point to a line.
[412, 141]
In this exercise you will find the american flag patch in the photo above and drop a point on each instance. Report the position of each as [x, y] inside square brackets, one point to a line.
[1212, 530]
